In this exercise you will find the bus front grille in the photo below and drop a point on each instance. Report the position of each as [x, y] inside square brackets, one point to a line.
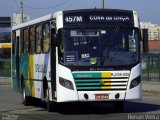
[101, 84]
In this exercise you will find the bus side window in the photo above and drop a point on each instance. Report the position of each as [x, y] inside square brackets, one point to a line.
[31, 40]
[26, 40]
[46, 37]
[38, 38]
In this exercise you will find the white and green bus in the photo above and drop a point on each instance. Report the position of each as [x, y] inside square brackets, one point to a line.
[89, 55]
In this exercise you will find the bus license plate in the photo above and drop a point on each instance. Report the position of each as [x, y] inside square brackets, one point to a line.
[101, 96]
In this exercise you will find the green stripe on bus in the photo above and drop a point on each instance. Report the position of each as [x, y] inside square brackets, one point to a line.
[88, 88]
[86, 75]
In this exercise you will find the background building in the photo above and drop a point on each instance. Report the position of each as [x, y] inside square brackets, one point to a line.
[17, 18]
[153, 33]
[153, 36]
[154, 46]
[153, 30]
[145, 25]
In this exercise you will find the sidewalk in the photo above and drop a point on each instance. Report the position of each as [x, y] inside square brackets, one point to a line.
[5, 80]
[151, 87]
[147, 87]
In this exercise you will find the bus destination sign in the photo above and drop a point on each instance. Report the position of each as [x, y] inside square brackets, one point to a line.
[96, 18]
[107, 18]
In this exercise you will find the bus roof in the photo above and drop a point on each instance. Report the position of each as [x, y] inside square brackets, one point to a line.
[34, 21]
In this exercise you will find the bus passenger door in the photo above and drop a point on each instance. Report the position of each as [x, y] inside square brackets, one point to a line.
[17, 62]
[53, 63]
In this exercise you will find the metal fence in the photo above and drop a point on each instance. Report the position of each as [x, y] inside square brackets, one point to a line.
[151, 67]
[5, 67]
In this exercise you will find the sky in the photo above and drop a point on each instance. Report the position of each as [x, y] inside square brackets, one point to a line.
[148, 10]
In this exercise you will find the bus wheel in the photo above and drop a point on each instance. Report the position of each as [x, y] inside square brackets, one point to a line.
[25, 99]
[118, 106]
[51, 106]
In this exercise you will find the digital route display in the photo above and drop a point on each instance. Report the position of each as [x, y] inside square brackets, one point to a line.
[100, 17]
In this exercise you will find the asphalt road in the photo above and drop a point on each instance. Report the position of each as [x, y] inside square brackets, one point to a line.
[11, 108]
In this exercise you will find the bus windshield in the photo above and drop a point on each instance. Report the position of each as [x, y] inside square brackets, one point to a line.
[99, 47]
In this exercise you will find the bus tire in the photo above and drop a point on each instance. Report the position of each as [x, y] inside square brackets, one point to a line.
[118, 106]
[26, 100]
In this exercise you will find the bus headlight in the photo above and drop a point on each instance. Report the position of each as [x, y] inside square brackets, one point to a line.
[135, 82]
[66, 83]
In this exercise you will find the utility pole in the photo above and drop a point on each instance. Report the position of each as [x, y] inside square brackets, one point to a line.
[102, 4]
[21, 11]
